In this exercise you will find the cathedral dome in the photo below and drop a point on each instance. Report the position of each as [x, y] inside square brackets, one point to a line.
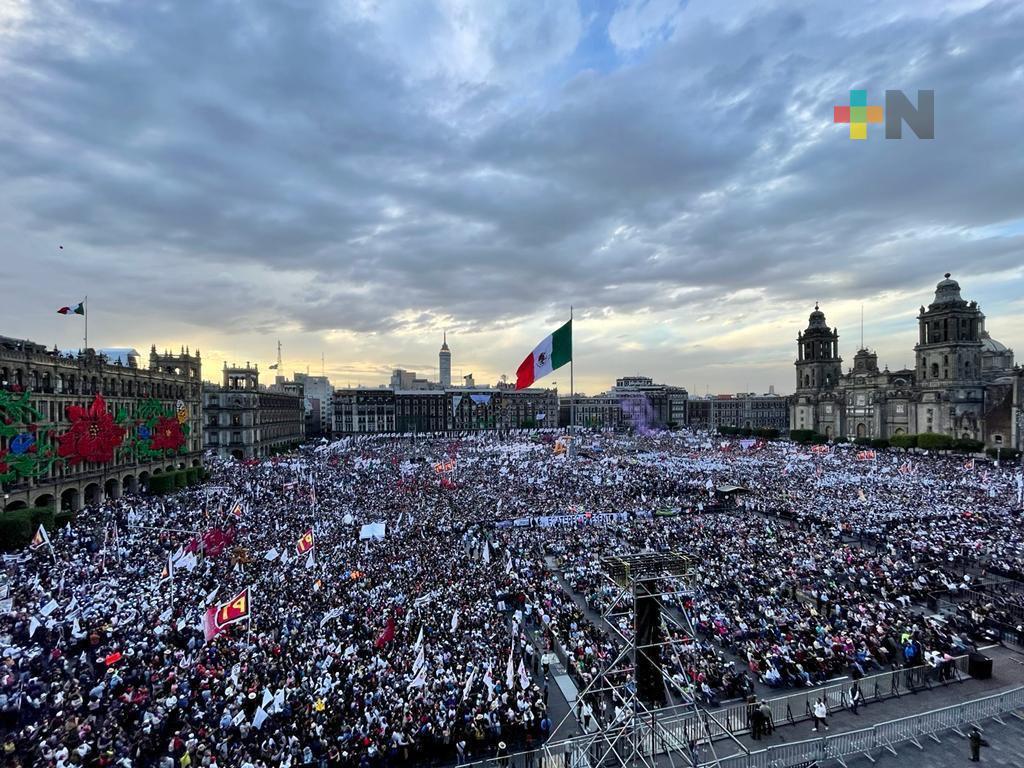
[947, 291]
[817, 318]
[988, 344]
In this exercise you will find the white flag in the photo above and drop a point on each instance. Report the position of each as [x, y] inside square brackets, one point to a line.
[33, 625]
[469, 685]
[510, 675]
[419, 639]
[258, 718]
[455, 620]
[487, 553]
[310, 562]
[50, 607]
[489, 682]
[420, 679]
[421, 660]
[267, 697]
[524, 679]
[272, 554]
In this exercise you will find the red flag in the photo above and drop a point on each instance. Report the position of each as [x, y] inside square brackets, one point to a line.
[305, 542]
[112, 658]
[216, 540]
[220, 616]
[387, 635]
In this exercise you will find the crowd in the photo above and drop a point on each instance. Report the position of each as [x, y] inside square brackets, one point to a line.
[415, 623]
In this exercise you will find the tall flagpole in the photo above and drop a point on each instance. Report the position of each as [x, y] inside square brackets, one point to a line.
[572, 386]
[86, 315]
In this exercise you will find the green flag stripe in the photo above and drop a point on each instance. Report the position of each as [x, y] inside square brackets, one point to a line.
[561, 346]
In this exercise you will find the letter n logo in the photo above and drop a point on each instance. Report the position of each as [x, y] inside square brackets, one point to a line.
[921, 118]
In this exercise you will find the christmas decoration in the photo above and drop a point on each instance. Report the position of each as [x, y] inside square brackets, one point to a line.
[168, 435]
[93, 436]
[157, 433]
[30, 452]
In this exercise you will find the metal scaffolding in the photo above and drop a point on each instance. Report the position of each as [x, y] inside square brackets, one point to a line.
[638, 732]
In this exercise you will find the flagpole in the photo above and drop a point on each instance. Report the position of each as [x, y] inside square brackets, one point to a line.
[85, 314]
[572, 386]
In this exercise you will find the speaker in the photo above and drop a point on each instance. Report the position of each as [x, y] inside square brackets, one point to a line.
[649, 681]
[979, 666]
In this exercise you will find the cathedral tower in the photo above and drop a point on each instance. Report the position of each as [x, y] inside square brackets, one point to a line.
[818, 364]
[949, 345]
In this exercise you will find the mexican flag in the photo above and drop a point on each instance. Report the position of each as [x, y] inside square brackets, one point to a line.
[553, 352]
[77, 309]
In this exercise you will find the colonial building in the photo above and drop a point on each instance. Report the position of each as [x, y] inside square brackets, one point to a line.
[452, 409]
[247, 421]
[634, 402]
[963, 384]
[744, 410]
[602, 411]
[78, 428]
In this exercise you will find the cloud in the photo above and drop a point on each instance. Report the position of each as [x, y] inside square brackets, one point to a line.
[362, 175]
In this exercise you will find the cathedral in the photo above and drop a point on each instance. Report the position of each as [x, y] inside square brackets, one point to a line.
[963, 384]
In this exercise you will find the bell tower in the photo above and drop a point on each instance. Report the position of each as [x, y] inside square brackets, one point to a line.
[818, 364]
[949, 345]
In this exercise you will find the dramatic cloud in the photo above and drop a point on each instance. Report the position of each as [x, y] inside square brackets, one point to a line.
[352, 178]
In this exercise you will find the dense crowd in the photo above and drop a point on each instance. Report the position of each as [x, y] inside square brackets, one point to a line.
[427, 638]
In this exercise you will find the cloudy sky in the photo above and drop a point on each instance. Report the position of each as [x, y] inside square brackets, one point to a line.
[354, 176]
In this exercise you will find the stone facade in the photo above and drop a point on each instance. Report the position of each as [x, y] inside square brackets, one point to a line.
[963, 384]
[55, 381]
[743, 410]
[456, 409]
[635, 402]
[246, 421]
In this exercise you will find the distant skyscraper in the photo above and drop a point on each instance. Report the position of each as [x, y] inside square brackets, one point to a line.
[445, 363]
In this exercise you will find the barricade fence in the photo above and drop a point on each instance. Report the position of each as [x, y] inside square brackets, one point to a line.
[673, 733]
[734, 720]
[883, 736]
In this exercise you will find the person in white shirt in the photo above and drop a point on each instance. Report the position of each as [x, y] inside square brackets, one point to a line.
[820, 713]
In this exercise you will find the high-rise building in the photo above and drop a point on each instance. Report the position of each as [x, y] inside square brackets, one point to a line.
[317, 391]
[444, 360]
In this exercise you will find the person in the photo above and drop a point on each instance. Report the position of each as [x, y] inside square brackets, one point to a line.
[767, 726]
[856, 697]
[976, 744]
[756, 721]
[694, 755]
[820, 714]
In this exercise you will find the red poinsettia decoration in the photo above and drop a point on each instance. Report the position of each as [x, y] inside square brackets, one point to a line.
[167, 435]
[93, 435]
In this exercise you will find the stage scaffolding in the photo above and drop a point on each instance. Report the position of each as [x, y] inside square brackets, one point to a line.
[636, 732]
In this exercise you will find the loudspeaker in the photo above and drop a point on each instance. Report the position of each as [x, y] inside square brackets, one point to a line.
[649, 681]
[979, 666]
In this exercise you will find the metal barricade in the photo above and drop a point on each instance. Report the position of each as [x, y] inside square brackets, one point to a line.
[885, 735]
